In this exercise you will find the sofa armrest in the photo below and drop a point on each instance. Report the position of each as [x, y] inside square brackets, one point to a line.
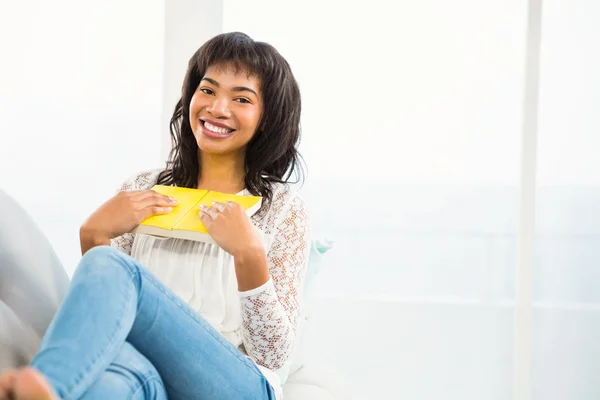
[316, 380]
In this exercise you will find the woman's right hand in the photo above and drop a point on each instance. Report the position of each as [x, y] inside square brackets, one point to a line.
[123, 212]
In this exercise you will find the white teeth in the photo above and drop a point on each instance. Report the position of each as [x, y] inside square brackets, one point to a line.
[216, 129]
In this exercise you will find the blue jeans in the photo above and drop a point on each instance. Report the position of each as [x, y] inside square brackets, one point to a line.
[121, 334]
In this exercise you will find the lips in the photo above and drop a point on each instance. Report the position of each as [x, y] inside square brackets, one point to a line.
[216, 130]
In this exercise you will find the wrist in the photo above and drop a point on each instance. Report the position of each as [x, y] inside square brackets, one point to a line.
[89, 239]
[249, 254]
[251, 268]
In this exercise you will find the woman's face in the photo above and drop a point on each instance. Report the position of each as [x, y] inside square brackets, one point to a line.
[225, 111]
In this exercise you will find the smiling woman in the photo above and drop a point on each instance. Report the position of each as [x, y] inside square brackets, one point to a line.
[240, 107]
[188, 319]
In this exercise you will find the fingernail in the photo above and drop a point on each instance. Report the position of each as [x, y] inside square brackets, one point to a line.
[202, 207]
[214, 203]
[169, 209]
[172, 200]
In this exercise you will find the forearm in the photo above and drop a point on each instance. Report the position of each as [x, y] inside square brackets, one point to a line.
[89, 240]
[251, 269]
[270, 312]
[268, 334]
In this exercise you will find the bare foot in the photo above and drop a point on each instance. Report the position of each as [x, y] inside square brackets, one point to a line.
[7, 383]
[31, 385]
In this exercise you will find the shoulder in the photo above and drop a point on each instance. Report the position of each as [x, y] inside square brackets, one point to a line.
[286, 203]
[285, 197]
[143, 180]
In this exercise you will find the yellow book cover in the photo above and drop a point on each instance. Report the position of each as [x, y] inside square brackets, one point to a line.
[183, 222]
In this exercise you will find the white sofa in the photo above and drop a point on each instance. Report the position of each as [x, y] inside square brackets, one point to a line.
[310, 376]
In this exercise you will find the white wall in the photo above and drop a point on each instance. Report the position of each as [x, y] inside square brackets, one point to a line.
[417, 90]
[410, 131]
[85, 96]
[189, 23]
[79, 107]
[411, 127]
[569, 118]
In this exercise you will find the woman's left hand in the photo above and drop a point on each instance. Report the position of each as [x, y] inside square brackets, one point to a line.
[231, 228]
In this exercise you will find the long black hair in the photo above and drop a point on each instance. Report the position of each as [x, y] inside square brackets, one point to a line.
[271, 155]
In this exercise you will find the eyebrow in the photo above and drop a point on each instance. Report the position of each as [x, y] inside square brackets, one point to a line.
[235, 89]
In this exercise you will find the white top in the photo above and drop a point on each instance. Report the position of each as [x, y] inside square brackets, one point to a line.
[262, 322]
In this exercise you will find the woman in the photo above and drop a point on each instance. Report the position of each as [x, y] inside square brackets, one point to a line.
[151, 318]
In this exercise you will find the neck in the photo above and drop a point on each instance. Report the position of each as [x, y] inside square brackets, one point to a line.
[221, 173]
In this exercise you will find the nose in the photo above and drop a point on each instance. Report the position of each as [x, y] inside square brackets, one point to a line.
[219, 108]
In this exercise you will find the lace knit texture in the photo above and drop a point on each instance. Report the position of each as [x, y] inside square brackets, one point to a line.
[270, 313]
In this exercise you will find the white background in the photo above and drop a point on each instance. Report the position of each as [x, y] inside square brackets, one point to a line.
[411, 132]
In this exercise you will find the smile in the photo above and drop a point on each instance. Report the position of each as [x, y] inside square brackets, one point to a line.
[215, 131]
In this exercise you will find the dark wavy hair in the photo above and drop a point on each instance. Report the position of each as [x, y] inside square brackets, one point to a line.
[271, 155]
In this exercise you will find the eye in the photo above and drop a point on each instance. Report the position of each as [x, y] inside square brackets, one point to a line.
[207, 91]
[242, 100]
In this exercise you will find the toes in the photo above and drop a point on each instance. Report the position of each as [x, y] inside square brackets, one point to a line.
[32, 385]
[7, 384]
[8, 377]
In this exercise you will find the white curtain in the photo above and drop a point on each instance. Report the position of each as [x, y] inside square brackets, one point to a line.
[412, 123]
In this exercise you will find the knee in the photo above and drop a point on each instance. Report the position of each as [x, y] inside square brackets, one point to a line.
[121, 383]
[100, 253]
[131, 376]
[107, 261]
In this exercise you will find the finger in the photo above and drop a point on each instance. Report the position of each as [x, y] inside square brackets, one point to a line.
[159, 197]
[149, 194]
[161, 210]
[154, 210]
[156, 200]
[163, 196]
[232, 204]
[205, 217]
[220, 207]
[213, 212]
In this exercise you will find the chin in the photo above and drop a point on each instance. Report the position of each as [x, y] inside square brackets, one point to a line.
[231, 144]
[210, 147]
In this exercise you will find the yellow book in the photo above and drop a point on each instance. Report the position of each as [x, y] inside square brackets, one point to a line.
[184, 222]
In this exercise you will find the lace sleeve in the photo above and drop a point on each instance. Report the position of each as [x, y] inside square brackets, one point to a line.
[270, 312]
[141, 181]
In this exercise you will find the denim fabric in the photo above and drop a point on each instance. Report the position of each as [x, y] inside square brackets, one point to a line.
[113, 299]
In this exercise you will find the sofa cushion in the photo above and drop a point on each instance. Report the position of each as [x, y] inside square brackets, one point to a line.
[315, 260]
[316, 380]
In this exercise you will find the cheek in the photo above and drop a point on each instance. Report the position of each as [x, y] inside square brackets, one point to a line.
[251, 119]
[195, 107]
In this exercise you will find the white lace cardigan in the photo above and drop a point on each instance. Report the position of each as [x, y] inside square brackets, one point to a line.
[261, 322]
